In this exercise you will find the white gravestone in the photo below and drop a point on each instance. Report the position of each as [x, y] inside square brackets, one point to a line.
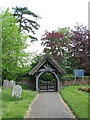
[17, 90]
[11, 84]
[6, 84]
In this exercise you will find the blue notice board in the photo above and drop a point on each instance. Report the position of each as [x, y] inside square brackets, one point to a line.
[78, 73]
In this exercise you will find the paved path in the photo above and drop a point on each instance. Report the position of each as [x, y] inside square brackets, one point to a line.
[49, 105]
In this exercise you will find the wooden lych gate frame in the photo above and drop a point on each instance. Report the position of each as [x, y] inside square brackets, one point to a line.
[47, 64]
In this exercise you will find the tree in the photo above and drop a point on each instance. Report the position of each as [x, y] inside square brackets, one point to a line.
[26, 24]
[68, 58]
[35, 60]
[79, 47]
[56, 44]
[13, 45]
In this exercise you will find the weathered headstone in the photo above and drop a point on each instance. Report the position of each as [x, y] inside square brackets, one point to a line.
[17, 90]
[6, 84]
[11, 84]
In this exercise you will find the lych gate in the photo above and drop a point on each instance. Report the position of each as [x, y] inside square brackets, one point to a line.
[47, 64]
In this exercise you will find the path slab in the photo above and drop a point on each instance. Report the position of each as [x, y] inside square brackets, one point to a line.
[49, 105]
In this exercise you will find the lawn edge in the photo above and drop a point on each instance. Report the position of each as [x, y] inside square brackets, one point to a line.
[68, 107]
[31, 106]
[71, 108]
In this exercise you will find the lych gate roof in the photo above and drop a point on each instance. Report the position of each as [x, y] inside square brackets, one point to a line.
[43, 61]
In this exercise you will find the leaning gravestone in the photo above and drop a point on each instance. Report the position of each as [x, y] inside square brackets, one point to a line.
[11, 84]
[6, 84]
[17, 90]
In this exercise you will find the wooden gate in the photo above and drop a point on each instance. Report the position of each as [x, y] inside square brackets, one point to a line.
[47, 86]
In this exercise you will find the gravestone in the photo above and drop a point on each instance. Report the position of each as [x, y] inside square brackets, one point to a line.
[11, 84]
[17, 90]
[6, 84]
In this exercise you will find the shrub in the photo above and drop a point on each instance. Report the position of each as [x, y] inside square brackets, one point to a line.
[67, 77]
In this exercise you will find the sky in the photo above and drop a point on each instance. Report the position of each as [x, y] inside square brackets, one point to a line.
[54, 14]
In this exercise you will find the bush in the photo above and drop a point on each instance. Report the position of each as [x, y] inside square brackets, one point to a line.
[87, 77]
[67, 77]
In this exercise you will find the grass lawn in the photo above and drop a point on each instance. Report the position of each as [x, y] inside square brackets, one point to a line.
[76, 100]
[16, 108]
[0, 103]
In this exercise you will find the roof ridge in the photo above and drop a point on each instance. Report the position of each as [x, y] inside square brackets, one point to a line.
[43, 60]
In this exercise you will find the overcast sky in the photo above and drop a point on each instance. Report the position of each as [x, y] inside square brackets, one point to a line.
[54, 13]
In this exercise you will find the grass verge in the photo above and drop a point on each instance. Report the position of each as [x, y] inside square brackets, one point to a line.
[0, 102]
[76, 100]
[16, 108]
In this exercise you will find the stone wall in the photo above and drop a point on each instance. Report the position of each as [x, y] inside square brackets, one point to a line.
[71, 82]
[32, 82]
[29, 82]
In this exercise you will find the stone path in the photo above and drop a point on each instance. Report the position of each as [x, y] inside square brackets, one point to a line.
[49, 105]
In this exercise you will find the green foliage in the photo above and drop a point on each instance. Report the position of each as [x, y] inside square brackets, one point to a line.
[76, 100]
[33, 61]
[67, 59]
[36, 59]
[66, 32]
[25, 23]
[87, 77]
[25, 87]
[16, 108]
[68, 47]
[0, 102]
[47, 77]
[57, 44]
[13, 45]
[67, 77]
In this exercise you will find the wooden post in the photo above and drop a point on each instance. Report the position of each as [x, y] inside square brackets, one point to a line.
[36, 82]
[83, 79]
[58, 87]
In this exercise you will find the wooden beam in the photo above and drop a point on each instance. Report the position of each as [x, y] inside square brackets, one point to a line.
[47, 70]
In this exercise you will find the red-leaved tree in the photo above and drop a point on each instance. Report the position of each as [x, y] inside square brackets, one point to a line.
[55, 43]
[79, 47]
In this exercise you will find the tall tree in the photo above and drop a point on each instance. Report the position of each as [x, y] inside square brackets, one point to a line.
[79, 47]
[13, 45]
[56, 44]
[24, 19]
[68, 58]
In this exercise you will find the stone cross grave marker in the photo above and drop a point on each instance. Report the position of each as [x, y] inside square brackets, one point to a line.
[11, 84]
[17, 90]
[6, 84]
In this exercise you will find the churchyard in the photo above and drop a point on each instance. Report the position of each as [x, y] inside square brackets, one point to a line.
[61, 68]
[14, 106]
[18, 96]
